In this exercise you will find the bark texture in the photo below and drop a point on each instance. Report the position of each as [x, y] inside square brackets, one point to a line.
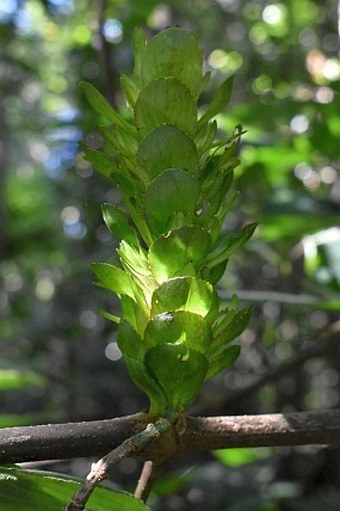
[95, 438]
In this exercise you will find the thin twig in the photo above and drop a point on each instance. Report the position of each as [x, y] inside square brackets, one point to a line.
[318, 349]
[144, 483]
[99, 470]
[274, 296]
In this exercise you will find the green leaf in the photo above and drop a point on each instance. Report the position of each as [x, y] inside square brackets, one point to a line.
[28, 490]
[103, 107]
[178, 327]
[136, 265]
[188, 294]
[205, 136]
[172, 191]
[133, 259]
[131, 345]
[220, 100]
[218, 170]
[179, 371]
[139, 44]
[129, 342]
[165, 101]
[142, 377]
[132, 312]
[104, 164]
[217, 182]
[167, 147]
[137, 217]
[130, 88]
[179, 252]
[229, 245]
[174, 52]
[107, 315]
[112, 278]
[230, 326]
[223, 361]
[108, 168]
[225, 206]
[12, 379]
[135, 262]
[220, 203]
[214, 274]
[119, 143]
[232, 323]
[117, 223]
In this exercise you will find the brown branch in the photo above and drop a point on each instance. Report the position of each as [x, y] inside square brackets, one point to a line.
[70, 440]
[62, 441]
[300, 428]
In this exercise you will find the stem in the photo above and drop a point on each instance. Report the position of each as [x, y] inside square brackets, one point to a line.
[145, 481]
[99, 471]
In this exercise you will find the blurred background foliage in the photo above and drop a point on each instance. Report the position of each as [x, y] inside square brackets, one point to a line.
[59, 359]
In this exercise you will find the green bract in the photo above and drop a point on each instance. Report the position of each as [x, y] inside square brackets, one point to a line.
[176, 182]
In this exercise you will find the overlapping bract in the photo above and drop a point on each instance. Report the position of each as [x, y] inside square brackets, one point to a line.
[176, 183]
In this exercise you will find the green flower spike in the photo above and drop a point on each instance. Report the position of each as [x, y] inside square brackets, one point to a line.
[176, 180]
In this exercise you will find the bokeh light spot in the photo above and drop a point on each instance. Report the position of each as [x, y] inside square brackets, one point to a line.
[272, 14]
[299, 124]
[262, 84]
[112, 351]
[45, 287]
[81, 35]
[70, 215]
[113, 31]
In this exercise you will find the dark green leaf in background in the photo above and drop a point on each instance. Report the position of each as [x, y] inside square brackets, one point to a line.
[11, 379]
